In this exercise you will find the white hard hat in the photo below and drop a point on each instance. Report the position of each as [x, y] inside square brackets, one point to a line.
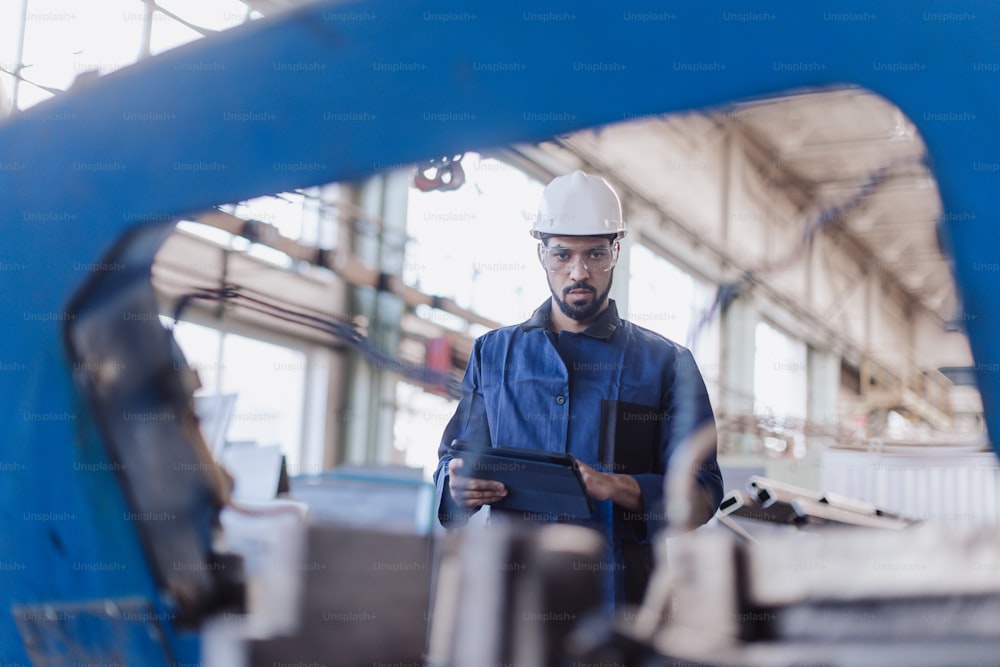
[579, 205]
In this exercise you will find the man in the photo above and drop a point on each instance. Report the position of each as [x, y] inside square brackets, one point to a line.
[546, 383]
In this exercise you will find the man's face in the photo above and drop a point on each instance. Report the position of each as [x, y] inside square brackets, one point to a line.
[580, 288]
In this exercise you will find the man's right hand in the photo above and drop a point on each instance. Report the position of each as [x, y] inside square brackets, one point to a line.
[472, 493]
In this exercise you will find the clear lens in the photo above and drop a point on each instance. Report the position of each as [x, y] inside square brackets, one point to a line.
[596, 258]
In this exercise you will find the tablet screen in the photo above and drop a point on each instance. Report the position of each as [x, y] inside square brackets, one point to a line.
[545, 484]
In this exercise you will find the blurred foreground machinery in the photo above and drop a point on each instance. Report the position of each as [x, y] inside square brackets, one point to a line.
[857, 589]
[773, 502]
[927, 595]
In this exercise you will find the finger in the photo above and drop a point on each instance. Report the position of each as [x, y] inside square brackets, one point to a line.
[478, 499]
[455, 470]
[472, 484]
[480, 492]
[466, 499]
[483, 493]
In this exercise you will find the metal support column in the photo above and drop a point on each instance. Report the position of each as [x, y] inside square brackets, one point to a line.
[371, 405]
[739, 325]
[823, 378]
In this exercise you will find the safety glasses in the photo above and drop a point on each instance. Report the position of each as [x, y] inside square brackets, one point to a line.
[557, 258]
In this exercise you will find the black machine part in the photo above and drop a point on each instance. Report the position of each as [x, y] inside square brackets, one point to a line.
[139, 389]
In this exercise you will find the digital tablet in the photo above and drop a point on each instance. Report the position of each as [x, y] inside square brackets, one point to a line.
[546, 484]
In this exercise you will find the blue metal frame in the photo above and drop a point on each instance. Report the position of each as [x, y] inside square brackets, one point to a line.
[334, 92]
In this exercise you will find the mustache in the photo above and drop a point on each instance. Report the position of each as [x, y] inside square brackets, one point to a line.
[583, 286]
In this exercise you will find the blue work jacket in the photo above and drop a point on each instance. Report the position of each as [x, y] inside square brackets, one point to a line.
[527, 386]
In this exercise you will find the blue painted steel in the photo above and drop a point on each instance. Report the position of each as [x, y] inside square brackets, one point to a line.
[102, 632]
[335, 92]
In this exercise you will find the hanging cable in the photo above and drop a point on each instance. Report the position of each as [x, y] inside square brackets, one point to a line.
[730, 291]
[344, 331]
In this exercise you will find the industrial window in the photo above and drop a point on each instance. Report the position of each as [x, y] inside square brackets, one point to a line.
[472, 244]
[302, 215]
[270, 381]
[780, 375]
[63, 39]
[176, 22]
[664, 298]
[420, 421]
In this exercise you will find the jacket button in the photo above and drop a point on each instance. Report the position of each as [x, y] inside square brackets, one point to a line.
[560, 399]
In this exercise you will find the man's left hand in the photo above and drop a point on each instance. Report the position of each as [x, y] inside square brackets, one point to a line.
[622, 490]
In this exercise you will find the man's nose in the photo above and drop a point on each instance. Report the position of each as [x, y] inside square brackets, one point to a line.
[578, 269]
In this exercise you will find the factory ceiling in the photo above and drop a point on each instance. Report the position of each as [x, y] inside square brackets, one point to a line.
[846, 155]
[837, 145]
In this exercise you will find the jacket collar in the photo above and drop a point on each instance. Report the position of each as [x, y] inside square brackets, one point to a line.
[603, 327]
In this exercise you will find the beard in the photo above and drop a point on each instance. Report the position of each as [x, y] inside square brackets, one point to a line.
[580, 311]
